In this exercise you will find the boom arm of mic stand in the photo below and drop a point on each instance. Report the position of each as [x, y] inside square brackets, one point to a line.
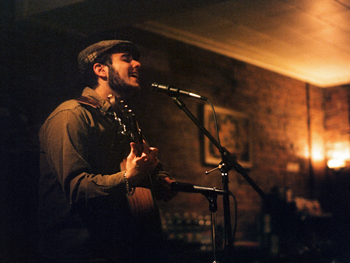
[228, 161]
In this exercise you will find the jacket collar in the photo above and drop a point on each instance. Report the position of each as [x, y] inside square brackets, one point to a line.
[90, 97]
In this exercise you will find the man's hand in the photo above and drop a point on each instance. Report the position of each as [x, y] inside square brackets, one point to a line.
[139, 166]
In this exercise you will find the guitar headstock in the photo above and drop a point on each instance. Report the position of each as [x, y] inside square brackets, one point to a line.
[127, 120]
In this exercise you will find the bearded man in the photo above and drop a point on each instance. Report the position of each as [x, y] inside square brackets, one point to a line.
[98, 175]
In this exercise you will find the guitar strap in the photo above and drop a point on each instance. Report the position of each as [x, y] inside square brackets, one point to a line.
[88, 101]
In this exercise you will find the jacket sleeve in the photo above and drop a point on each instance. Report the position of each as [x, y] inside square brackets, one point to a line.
[65, 140]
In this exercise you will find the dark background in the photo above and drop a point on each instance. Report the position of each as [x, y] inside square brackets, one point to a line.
[39, 71]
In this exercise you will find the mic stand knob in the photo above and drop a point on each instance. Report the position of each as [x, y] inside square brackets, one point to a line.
[212, 170]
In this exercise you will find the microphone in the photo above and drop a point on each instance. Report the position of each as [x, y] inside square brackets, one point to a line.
[175, 92]
[191, 188]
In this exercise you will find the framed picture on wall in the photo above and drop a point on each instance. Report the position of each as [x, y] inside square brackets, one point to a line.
[235, 135]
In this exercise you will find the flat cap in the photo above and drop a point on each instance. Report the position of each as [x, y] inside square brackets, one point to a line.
[88, 56]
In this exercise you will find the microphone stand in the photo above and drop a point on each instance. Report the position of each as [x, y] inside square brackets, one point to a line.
[228, 162]
[212, 197]
[213, 207]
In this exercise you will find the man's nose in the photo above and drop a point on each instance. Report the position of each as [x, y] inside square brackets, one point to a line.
[136, 64]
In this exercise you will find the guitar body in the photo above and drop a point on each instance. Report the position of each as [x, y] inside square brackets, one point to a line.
[141, 202]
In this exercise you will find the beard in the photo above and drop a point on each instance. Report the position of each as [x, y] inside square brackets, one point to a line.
[118, 84]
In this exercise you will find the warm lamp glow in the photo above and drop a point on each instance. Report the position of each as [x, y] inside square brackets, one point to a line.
[340, 151]
[318, 154]
[336, 163]
[338, 155]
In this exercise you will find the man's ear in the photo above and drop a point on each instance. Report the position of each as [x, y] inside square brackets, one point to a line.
[100, 70]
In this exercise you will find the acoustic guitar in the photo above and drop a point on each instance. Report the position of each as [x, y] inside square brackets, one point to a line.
[144, 215]
[140, 200]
